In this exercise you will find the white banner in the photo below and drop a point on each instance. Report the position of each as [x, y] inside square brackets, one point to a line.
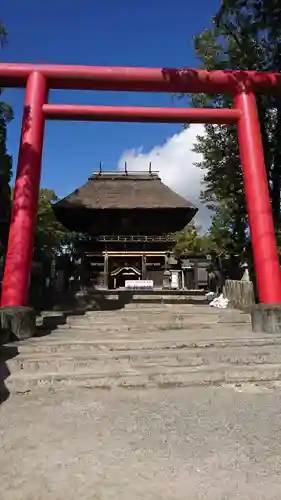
[139, 284]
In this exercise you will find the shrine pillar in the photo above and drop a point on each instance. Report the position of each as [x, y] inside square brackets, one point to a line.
[25, 205]
[261, 225]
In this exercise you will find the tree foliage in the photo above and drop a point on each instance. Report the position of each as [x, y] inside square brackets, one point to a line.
[6, 115]
[50, 235]
[245, 34]
[190, 242]
[3, 34]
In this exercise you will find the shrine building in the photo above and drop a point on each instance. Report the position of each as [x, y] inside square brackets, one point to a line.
[127, 223]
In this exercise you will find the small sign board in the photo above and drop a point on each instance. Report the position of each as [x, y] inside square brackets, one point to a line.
[139, 284]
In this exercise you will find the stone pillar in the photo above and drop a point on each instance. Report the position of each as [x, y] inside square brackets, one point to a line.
[105, 270]
[266, 318]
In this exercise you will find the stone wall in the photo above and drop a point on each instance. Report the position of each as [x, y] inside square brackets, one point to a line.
[240, 294]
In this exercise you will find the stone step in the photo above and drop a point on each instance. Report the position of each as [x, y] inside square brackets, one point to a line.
[144, 318]
[146, 378]
[53, 344]
[158, 319]
[150, 302]
[128, 299]
[124, 361]
[149, 329]
[154, 331]
[169, 318]
[146, 294]
[157, 345]
[143, 315]
[144, 328]
[164, 311]
[53, 318]
[169, 330]
[158, 309]
[138, 326]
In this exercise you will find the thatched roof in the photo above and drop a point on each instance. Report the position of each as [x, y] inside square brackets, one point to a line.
[124, 191]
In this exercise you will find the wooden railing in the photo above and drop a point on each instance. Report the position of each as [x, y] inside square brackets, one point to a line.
[129, 238]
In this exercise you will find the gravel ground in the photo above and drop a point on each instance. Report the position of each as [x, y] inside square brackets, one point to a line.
[185, 444]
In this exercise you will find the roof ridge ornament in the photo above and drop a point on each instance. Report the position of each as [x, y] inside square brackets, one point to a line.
[102, 172]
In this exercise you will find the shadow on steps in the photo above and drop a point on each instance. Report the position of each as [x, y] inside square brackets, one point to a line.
[6, 352]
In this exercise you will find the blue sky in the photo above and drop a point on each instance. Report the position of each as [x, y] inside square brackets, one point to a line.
[91, 32]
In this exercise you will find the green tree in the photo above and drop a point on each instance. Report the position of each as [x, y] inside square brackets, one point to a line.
[6, 115]
[190, 242]
[246, 34]
[50, 235]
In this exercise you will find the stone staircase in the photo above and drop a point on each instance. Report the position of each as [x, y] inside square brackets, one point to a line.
[143, 345]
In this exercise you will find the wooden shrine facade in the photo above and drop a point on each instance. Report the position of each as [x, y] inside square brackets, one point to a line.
[110, 260]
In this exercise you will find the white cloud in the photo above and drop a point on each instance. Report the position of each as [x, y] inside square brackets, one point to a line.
[175, 162]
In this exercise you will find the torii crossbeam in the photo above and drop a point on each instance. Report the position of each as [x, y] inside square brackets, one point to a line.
[39, 79]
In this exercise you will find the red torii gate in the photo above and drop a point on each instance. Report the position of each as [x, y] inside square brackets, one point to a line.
[38, 79]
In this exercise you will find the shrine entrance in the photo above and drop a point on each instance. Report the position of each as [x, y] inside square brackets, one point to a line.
[123, 274]
[40, 78]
